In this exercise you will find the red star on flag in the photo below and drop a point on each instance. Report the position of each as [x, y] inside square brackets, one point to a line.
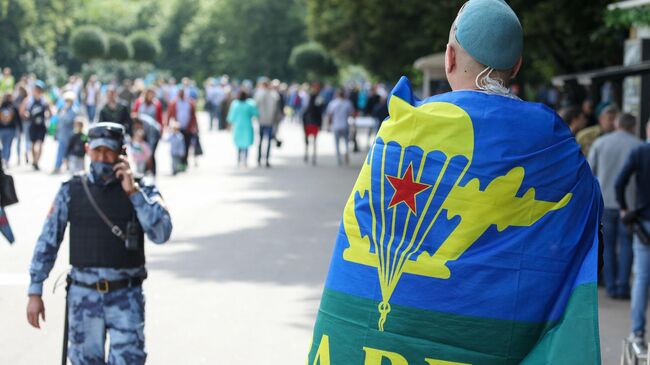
[406, 189]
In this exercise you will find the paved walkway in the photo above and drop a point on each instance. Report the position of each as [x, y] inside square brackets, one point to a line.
[240, 281]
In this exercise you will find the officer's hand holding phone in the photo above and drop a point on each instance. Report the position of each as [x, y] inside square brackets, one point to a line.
[124, 173]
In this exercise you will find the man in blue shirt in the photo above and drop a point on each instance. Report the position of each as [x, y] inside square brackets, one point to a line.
[606, 157]
[109, 214]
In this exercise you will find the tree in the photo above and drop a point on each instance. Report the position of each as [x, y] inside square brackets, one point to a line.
[245, 38]
[384, 38]
[121, 17]
[118, 48]
[40, 31]
[387, 39]
[55, 21]
[88, 42]
[16, 18]
[566, 37]
[43, 66]
[627, 18]
[145, 47]
[313, 60]
[180, 17]
[115, 16]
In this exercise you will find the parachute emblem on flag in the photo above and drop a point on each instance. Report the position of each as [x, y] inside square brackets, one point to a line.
[410, 184]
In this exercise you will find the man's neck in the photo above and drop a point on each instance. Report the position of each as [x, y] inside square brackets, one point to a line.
[467, 85]
[464, 85]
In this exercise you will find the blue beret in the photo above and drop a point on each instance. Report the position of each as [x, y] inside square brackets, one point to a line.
[490, 32]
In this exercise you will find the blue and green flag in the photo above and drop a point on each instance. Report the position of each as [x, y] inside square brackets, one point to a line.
[471, 237]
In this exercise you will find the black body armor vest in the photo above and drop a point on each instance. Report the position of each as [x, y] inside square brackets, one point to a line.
[92, 244]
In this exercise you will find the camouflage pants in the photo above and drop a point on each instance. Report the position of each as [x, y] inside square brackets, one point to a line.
[93, 315]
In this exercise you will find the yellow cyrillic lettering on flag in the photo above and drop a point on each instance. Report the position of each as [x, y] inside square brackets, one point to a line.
[323, 353]
[375, 357]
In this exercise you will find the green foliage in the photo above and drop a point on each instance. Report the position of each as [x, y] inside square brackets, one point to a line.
[109, 70]
[386, 39]
[313, 60]
[115, 16]
[43, 66]
[145, 47]
[382, 37]
[626, 18]
[51, 30]
[354, 74]
[16, 18]
[567, 37]
[249, 38]
[53, 24]
[180, 17]
[150, 14]
[88, 42]
[244, 38]
[118, 48]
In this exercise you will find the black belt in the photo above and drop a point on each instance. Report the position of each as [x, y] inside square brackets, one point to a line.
[104, 286]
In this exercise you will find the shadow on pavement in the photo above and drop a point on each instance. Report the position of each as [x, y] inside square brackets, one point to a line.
[291, 248]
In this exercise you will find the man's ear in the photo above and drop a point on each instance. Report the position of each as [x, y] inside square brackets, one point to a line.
[515, 70]
[86, 148]
[450, 58]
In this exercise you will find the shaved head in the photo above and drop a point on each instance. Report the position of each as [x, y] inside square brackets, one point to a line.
[465, 62]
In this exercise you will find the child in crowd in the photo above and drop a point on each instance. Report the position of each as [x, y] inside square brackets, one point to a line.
[177, 147]
[140, 151]
[76, 152]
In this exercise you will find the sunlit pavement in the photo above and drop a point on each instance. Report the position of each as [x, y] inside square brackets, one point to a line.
[240, 280]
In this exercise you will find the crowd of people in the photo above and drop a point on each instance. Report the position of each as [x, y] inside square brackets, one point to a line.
[317, 106]
[32, 110]
[154, 110]
[621, 162]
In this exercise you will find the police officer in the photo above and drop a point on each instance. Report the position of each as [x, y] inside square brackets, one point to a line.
[109, 213]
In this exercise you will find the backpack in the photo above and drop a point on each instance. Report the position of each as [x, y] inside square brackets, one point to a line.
[7, 114]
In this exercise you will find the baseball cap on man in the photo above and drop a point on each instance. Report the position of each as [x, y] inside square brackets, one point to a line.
[106, 134]
[40, 84]
[490, 32]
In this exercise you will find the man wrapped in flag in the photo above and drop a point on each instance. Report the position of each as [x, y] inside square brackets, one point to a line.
[471, 235]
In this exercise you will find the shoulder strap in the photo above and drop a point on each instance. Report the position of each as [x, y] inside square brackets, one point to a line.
[114, 228]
